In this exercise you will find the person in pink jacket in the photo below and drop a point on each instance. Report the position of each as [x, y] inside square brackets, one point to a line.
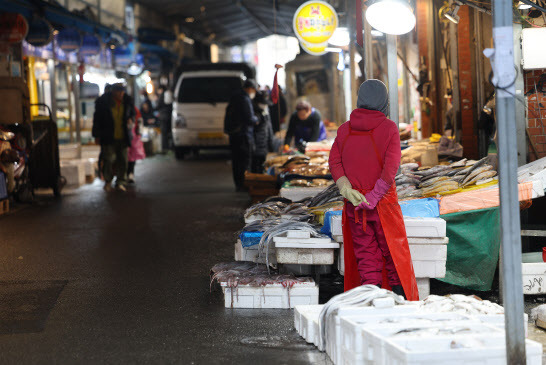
[363, 161]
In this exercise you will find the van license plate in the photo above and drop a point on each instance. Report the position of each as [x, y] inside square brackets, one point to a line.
[210, 135]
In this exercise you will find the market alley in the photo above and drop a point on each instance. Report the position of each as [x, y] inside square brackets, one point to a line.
[124, 278]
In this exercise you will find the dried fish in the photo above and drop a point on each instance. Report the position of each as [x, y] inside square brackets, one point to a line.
[330, 194]
[406, 180]
[460, 163]
[409, 166]
[481, 176]
[432, 170]
[430, 182]
[477, 165]
[442, 187]
[484, 181]
[476, 172]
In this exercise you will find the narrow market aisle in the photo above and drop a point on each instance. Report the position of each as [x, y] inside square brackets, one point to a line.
[124, 278]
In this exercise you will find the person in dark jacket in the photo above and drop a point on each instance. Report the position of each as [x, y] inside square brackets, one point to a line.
[263, 133]
[112, 122]
[305, 125]
[239, 125]
[278, 112]
[165, 109]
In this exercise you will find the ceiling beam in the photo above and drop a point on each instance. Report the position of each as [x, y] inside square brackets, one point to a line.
[253, 17]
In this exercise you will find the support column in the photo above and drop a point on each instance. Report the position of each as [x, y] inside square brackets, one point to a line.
[505, 74]
[393, 78]
[520, 91]
[352, 50]
[423, 41]
[456, 96]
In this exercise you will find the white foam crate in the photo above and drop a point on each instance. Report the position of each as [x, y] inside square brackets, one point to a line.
[333, 330]
[272, 296]
[298, 234]
[251, 253]
[534, 278]
[73, 172]
[498, 321]
[306, 321]
[69, 151]
[90, 151]
[429, 261]
[341, 260]
[305, 251]
[91, 165]
[338, 239]
[423, 287]
[336, 225]
[357, 346]
[475, 350]
[425, 227]
[428, 240]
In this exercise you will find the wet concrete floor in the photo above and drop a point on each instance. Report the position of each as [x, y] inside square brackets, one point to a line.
[124, 278]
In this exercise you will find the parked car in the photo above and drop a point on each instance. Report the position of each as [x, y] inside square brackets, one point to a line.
[201, 96]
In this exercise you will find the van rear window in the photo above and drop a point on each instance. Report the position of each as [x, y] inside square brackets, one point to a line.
[208, 89]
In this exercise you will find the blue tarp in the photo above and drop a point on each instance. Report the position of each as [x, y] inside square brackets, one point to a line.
[327, 229]
[421, 208]
[250, 238]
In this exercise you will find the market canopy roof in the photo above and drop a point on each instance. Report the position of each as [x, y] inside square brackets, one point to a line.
[229, 22]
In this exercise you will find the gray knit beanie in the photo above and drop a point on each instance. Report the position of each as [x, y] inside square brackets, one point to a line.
[373, 95]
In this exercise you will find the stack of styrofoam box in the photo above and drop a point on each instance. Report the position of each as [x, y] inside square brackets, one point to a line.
[271, 295]
[69, 151]
[90, 151]
[298, 247]
[306, 322]
[251, 253]
[428, 246]
[91, 166]
[74, 172]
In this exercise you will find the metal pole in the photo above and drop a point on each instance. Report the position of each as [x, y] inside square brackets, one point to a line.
[368, 46]
[455, 93]
[503, 66]
[520, 107]
[77, 104]
[393, 77]
[352, 51]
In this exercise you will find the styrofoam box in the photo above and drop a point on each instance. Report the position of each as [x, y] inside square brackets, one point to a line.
[498, 321]
[251, 253]
[429, 261]
[534, 278]
[253, 218]
[306, 321]
[338, 239]
[73, 172]
[341, 260]
[423, 286]
[270, 296]
[357, 345]
[336, 225]
[456, 349]
[69, 151]
[296, 194]
[90, 166]
[304, 253]
[425, 227]
[90, 151]
[333, 327]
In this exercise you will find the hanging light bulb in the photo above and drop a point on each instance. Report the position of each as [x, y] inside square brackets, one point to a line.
[391, 16]
[452, 13]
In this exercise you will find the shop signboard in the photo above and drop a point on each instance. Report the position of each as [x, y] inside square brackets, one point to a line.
[314, 23]
[40, 32]
[13, 28]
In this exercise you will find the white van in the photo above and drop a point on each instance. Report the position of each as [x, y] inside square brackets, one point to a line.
[199, 107]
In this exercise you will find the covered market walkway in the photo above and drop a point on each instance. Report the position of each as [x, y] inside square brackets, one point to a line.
[124, 278]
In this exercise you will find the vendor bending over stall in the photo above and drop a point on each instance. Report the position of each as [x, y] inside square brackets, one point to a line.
[364, 161]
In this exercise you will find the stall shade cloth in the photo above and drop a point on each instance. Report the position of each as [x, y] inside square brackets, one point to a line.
[473, 249]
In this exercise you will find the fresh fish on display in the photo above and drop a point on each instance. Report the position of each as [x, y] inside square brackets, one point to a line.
[461, 304]
[472, 174]
[482, 176]
[330, 194]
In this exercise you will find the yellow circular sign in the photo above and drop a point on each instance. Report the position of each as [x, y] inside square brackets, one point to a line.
[314, 49]
[314, 23]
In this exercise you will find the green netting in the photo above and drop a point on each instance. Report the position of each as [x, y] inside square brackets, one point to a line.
[473, 249]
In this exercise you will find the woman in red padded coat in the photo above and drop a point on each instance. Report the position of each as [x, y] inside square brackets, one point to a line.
[364, 160]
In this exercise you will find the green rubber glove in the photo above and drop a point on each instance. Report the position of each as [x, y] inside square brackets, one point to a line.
[347, 191]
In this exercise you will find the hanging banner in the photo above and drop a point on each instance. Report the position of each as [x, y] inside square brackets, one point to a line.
[314, 23]
[13, 27]
[69, 40]
[90, 46]
[40, 32]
